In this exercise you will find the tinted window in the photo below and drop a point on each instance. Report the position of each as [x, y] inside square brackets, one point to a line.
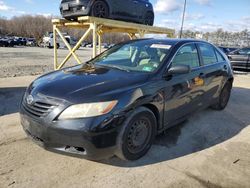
[187, 55]
[219, 56]
[208, 54]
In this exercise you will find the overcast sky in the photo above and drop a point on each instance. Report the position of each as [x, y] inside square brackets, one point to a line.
[202, 15]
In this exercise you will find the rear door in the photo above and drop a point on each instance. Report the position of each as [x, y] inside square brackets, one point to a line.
[184, 95]
[214, 72]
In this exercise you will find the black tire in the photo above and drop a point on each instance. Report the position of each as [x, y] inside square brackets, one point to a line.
[149, 19]
[100, 9]
[224, 97]
[137, 135]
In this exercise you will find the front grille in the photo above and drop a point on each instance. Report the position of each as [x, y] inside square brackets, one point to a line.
[38, 109]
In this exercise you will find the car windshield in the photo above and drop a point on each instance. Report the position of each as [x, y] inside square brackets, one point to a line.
[142, 56]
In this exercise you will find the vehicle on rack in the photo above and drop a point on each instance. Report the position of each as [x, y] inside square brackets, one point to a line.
[240, 59]
[138, 11]
[116, 103]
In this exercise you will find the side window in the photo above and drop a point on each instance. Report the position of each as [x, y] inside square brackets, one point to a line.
[207, 54]
[219, 56]
[187, 55]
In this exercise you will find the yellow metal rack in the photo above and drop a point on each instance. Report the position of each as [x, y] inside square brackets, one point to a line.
[99, 26]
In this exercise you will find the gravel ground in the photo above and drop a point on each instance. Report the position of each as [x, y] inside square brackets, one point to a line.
[24, 61]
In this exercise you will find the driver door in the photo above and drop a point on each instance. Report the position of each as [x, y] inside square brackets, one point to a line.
[183, 93]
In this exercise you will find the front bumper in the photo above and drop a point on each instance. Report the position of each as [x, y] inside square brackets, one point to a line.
[74, 137]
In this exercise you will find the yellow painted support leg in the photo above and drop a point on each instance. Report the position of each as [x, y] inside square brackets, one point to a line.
[77, 46]
[141, 34]
[100, 43]
[132, 36]
[94, 27]
[55, 47]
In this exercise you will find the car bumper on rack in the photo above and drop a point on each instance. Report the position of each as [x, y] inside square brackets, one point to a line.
[74, 10]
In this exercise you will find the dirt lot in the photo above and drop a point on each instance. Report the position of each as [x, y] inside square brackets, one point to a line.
[211, 149]
[23, 61]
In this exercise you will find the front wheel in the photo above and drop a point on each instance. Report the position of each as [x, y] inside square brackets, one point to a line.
[100, 9]
[137, 135]
[224, 97]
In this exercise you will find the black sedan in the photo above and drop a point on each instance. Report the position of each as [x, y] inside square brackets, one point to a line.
[240, 59]
[138, 11]
[116, 103]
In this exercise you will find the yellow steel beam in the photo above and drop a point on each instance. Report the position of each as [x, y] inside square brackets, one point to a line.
[77, 46]
[55, 47]
[98, 26]
[68, 46]
[94, 27]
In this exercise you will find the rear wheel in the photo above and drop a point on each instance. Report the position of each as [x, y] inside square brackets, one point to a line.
[149, 19]
[100, 9]
[137, 135]
[223, 98]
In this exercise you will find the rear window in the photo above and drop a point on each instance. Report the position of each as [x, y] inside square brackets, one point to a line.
[219, 56]
[207, 53]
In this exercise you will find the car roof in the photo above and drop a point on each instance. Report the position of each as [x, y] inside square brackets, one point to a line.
[173, 41]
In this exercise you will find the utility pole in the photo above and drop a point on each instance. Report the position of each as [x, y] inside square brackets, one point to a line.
[183, 18]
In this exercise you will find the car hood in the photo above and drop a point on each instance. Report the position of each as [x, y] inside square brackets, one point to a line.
[86, 83]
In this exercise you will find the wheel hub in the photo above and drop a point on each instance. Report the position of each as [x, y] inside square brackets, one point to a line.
[138, 135]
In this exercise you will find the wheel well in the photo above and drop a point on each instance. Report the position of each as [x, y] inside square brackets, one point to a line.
[230, 80]
[155, 111]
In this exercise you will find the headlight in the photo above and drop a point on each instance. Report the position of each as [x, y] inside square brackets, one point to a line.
[88, 110]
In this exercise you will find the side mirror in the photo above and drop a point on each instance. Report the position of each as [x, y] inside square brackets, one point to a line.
[179, 69]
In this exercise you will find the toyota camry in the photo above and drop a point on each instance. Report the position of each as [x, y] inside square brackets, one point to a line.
[116, 103]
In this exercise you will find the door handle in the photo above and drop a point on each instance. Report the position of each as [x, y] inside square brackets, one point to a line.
[225, 67]
[136, 2]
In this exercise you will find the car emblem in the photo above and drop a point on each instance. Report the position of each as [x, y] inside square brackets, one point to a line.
[30, 100]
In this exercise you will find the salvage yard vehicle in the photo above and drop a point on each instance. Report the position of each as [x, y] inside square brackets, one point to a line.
[116, 103]
[138, 11]
[49, 42]
[240, 59]
[7, 42]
